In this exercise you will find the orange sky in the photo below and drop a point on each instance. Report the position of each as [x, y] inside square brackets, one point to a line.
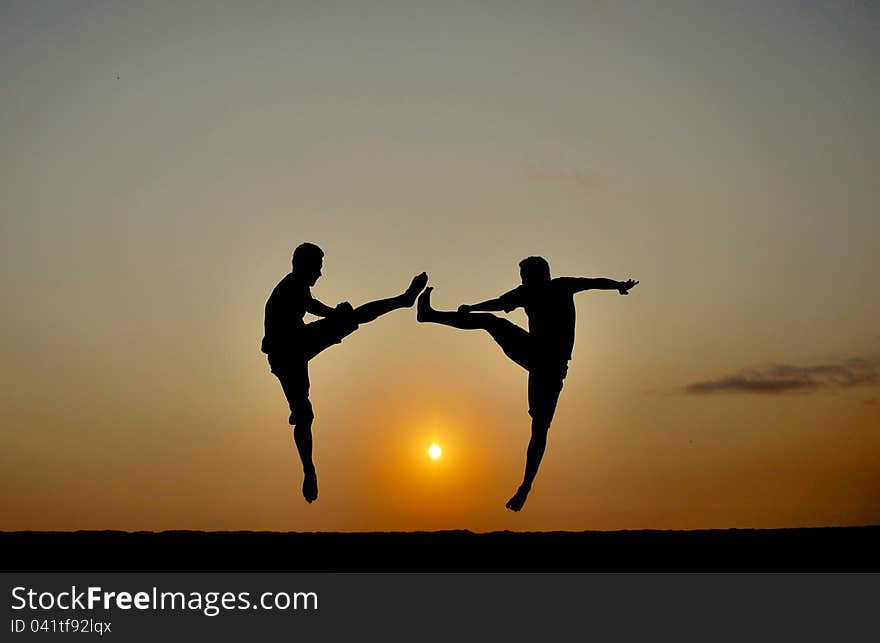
[725, 157]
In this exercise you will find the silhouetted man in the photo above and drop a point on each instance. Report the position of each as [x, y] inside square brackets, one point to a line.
[290, 343]
[543, 350]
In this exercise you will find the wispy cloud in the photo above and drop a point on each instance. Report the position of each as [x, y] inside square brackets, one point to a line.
[579, 179]
[784, 378]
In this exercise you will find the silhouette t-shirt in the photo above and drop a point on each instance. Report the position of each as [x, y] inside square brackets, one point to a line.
[551, 313]
[285, 310]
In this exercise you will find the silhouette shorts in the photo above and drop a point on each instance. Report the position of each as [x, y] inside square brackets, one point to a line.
[545, 385]
[293, 374]
[291, 366]
[546, 372]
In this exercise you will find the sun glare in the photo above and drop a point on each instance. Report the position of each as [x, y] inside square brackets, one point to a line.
[434, 451]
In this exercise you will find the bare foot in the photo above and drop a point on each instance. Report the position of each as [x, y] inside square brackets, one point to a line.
[415, 287]
[310, 487]
[519, 499]
[424, 309]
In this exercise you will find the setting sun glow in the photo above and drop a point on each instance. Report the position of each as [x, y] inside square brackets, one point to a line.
[434, 451]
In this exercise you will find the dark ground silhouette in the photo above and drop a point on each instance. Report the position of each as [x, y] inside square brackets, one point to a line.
[837, 549]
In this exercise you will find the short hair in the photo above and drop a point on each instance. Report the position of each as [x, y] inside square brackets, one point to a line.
[535, 267]
[305, 253]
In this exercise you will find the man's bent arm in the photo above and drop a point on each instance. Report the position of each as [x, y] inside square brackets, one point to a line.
[318, 308]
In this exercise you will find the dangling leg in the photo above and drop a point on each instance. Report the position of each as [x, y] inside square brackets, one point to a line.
[374, 309]
[544, 388]
[302, 437]
[294, 377]
[512, 339]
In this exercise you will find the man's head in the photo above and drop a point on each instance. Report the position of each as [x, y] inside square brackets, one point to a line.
[534, 270]
[307, 261]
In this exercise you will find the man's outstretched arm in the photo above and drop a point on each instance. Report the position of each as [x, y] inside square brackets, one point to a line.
[601, 283]
[490, 305]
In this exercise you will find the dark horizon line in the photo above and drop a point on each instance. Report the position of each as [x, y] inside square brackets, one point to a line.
[435, 531]
[787, 549]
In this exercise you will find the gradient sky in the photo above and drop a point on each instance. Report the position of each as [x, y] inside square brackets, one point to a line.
[161, 160]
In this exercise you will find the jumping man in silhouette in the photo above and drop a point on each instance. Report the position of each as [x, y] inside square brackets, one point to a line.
[290, 343]
[543, 350]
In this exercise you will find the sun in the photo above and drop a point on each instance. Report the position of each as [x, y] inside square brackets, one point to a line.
[434, 451]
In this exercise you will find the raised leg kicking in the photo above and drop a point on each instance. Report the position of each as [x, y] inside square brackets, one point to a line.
[290, 343]
[544, 350]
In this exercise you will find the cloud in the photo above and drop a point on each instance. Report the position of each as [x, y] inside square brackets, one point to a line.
[784, 378]
[576, 178]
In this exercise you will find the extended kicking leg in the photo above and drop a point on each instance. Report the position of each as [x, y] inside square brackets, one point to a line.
[374, 309]
[465, 321]
[324, 333]
[513, 340]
